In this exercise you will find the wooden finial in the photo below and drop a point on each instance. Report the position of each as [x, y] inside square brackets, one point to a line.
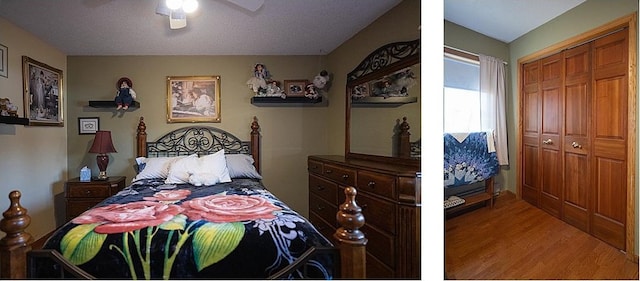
[255, 127]
[350, 218]
[255, 143]
[351, 240]
[141, 138]
[15, 245]
[14, 223]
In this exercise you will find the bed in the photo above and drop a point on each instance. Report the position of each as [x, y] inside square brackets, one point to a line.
[197, 208]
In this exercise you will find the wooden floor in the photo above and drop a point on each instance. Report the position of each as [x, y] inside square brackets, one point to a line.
[516, 240]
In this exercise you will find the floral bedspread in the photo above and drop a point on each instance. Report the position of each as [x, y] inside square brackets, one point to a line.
[468, 161]
[157, 231]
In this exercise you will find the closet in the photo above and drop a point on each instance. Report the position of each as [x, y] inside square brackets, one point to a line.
[574, 135]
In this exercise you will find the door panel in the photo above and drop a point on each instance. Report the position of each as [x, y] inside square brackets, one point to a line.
[550, 143]
[531, 132]
[576, 145]
[609, 117]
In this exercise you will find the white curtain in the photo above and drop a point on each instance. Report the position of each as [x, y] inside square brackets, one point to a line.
[492, 99]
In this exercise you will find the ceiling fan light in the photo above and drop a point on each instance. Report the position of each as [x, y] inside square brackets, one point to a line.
[190, 6]
[174, 4]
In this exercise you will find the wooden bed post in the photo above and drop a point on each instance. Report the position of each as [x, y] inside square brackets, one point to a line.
[15, 245]
[351, 239]
[404, 142]
[255, 143]
[141, 137]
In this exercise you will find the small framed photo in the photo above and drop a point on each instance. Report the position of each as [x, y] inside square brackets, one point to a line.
[43, 97]
[4, 64]
[88, 125]
[193, 99]
[295, 88]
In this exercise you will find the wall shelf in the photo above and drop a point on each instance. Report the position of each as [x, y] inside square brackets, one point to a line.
[382, 101]
[110, 104]
[290, 101]
[14, 120]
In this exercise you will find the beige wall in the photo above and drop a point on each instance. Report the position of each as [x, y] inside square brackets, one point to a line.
[289, 134]
[399, 24]
[33, 158]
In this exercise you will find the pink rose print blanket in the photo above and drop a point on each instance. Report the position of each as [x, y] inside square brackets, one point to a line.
[154, 231]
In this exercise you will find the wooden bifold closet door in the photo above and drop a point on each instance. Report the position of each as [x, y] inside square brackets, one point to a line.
[574, 137]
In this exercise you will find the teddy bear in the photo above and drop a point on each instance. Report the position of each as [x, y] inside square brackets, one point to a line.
[200, 179]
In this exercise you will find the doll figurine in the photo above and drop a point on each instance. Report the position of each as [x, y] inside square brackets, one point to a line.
[260, 78]
[125, 95]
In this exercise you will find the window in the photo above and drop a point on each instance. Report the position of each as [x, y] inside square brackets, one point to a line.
[461, 94]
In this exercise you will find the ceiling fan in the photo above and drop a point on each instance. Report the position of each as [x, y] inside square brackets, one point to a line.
[177, 10]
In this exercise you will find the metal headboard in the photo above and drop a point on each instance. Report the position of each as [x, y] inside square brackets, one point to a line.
[201, 140]
[197, 140]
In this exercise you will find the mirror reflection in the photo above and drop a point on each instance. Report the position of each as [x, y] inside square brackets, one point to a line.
[377, 110]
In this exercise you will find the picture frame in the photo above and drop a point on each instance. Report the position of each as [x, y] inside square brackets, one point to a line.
[192, 99]
[43, 96]
[295, 88]
[4, 61]
[88, 125]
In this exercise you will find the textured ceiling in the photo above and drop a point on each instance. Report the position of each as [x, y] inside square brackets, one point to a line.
[128, 27]
[505, 20]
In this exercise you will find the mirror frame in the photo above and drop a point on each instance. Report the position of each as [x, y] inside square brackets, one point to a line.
[383, 61]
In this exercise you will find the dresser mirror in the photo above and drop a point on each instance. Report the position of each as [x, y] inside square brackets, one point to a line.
[383, 105]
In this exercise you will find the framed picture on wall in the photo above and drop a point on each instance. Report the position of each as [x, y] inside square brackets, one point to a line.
[42, 93]
[4, 64]
[193, 99]
[88, 125]
[295, 88]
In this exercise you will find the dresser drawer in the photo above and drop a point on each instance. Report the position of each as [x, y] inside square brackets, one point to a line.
[88, 191]
[314, 167]
[325, 189]
[380, 184]
[322, 208]
[377, 212]
[380, 245]
[342, 175]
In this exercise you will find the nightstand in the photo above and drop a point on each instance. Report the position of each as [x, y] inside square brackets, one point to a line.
[82, 195]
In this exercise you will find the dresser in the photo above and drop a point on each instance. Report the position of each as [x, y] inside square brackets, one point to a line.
[81, 196]
[389, 196]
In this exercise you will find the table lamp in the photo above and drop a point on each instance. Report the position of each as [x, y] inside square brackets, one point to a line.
[102, 145]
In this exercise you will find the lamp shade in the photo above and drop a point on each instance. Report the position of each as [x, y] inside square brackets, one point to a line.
[102, 143]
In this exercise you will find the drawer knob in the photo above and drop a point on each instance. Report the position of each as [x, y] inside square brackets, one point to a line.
[371, 184]
[345, 177]
[328, 171]
[87, 192]
[320, 208]
[320, 188]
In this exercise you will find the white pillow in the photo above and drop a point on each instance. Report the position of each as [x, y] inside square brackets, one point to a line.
[179, 170]
[152, 168]
[241, 166]
[215, 164]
